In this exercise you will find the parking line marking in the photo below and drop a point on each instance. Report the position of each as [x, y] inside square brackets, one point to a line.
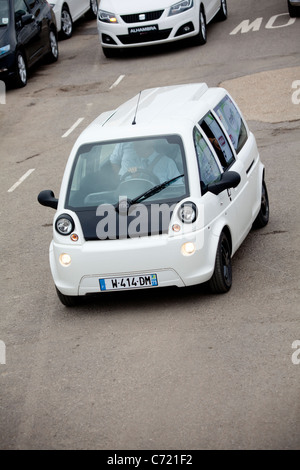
[73, 127]
[117, 82]
[23, 178]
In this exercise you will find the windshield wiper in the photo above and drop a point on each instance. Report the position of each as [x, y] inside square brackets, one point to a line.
[147, 194]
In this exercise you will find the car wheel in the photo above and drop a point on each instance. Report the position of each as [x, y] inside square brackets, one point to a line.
[66, 24]
[221, 280]
[21, 71]
[94, 8]
[68, 300]
[263, 216]
[201, 37]
[53, 54]
[293, 11]
[92, 13]
[223, 12]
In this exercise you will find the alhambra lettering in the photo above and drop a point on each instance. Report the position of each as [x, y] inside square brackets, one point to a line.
[145, 29]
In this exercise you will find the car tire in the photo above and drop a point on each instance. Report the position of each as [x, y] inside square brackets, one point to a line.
[66, 23]
[263, 216]
[223, 12]
[221, 280]
[67, 300]
[92, 13]
[21, 70]
[293, 11]
[201, 37]
[53, 44]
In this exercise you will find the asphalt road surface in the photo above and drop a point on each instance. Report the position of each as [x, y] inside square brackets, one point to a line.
[166, 369]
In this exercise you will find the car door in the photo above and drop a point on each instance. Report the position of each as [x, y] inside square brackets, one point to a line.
[210, 171]
[247, 156]
[27, 32]
[78, 7]
[240, 213]
[211, 8]
[39, 10]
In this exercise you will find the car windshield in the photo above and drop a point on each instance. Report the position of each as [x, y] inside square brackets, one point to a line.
[4, 12]
[104, 173]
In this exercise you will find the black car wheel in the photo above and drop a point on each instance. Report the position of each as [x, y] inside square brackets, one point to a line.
[293, 11]
[223, 13]
[21, 71]
[201, 37]
[66, 24]
[93, 8]
[53, 54]
[263, 216]
[221, 280]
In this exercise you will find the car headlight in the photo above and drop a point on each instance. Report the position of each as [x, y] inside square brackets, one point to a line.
[64, 224]
[188, 212]
[107, 17]
[4, 49]
[180, 7]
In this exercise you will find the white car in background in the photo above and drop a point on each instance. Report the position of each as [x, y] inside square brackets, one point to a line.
[69, 11]
[148, 22]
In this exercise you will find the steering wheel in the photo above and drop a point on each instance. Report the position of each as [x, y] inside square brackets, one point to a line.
[140, 174]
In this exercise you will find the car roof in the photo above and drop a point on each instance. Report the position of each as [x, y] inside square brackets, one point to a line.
[154, 111]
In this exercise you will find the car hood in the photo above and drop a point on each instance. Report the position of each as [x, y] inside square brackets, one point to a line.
[134, 6]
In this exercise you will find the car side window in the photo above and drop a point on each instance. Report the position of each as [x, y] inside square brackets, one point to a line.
[232, 122]
[4, 13]
[20, 9]
[208, 167]
[215, 134]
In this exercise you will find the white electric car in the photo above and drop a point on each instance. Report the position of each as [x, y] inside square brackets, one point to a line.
[159, 192]
[68, 11]
[149, 22]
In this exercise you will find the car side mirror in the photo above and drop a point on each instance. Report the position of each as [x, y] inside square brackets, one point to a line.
[229, 179]
[27, 18]
[47, 198]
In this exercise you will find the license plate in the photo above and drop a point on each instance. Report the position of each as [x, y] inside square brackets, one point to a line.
[143, 29]
[130, 282]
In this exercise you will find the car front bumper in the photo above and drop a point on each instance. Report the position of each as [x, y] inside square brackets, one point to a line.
[7, 66]
[165, 29]
[160, 255]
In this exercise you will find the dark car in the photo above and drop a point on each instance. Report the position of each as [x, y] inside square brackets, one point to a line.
[294, 8]
[27, 33]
